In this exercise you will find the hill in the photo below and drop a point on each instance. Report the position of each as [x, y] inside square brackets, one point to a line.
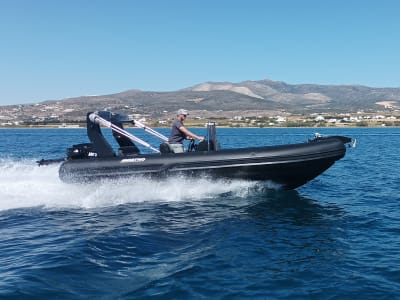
[252, 95]
[225, 99]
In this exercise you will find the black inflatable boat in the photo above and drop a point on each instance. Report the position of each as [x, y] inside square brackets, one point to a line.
[289, 166]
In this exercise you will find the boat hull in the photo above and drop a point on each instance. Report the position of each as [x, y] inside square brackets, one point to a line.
[289, 166]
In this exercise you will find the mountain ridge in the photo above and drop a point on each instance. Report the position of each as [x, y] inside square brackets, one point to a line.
[224, 97]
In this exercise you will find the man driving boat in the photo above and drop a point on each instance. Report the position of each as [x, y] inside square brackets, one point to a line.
[179, 133]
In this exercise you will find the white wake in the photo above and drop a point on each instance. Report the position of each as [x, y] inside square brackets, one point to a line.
[23, 184]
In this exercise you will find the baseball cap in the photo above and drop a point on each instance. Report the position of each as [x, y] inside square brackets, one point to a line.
[182, 112]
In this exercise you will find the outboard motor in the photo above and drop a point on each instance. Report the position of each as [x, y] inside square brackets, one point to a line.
[210, 143]
[80, 151]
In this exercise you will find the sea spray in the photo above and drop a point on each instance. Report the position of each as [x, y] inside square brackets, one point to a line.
[23, 184]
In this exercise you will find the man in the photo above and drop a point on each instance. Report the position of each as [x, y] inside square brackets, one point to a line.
[180, 133]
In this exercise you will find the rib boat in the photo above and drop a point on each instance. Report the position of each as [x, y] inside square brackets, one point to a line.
[289, 166]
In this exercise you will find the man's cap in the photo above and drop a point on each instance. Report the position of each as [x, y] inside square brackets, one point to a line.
[182, 112]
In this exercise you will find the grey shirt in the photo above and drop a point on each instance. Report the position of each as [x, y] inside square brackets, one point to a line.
[176, 135]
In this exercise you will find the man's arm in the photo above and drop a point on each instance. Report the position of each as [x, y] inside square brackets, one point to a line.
[190, 135]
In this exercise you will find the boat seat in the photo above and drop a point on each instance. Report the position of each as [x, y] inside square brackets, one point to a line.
[171, 148]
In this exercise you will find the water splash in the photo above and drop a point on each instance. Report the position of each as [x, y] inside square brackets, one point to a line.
[23, 184]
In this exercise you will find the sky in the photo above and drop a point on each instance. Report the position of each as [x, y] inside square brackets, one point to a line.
[56, 49]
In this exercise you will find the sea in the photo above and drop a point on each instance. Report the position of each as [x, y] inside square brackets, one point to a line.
[337, 237]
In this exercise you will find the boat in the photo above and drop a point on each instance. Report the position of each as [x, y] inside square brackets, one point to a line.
[289, 166]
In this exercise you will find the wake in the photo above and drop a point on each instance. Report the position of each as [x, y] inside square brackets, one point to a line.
[23, 184]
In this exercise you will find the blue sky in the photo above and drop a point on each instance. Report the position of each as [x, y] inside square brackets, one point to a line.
[54, 49]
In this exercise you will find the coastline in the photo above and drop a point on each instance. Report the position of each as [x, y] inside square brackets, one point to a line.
[193, 126]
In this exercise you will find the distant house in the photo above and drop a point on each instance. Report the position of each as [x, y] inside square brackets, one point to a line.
[280, 119]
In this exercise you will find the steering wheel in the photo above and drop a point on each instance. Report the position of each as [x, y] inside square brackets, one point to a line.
[192, 146]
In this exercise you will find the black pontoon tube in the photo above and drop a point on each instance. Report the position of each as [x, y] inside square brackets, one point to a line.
[149, 130]
[99, 120]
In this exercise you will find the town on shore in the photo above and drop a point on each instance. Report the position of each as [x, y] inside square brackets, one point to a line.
[246, 119]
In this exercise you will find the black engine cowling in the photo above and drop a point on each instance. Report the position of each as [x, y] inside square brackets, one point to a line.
[80, 151]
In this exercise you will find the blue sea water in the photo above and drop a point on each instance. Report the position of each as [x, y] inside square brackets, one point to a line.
[338, 237]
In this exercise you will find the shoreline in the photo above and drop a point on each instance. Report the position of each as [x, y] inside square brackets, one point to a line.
[189, 126]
